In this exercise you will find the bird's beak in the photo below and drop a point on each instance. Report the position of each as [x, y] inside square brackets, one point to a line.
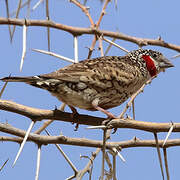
[165, 63]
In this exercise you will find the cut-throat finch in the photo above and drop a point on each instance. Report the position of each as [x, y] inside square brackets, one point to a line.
[100, 83]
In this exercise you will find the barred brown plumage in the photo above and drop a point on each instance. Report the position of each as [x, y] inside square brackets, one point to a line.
[100, 83]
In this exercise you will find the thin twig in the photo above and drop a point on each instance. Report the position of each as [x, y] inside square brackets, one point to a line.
[3, 88]
[159, 154]
[22, 6]
[17, 14]
[65, 156]
[92, 47]
[48, 28]
[84, 9]
[132, 99]
[101, 46]
[103, 154]
[7, 12]
[102, 13]
[166, 163]
[133, 107]
[114, 167]
[89, 164]
[4, 164]
[109, 175]
[28, 8]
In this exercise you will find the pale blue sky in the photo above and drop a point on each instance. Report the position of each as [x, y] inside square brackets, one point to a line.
[158, 103]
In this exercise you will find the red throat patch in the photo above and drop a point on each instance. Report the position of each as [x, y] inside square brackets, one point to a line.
[150, 65]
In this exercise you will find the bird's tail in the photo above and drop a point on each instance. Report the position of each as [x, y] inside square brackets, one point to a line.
[18, 79]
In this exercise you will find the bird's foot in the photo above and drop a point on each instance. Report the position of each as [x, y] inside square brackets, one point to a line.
[109, 114]
[74, 117]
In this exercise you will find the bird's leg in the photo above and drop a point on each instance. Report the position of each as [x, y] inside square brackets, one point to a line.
[109, 114]
[73, 115]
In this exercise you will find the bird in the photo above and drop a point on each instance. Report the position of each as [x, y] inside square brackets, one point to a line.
[100, 83]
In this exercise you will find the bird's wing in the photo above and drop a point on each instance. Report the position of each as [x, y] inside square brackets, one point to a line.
[96, 71]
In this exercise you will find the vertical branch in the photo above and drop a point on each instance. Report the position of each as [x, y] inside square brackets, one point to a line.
[84, 9]
[48, 18]
[7, 12]
[133, 109]
[28, 8]
[103, 153]
[92, 47]
[17, 14]
[166, 163]
[101, 46]
[114, 167]
[97, 26]
[102, 13]
[159, 154]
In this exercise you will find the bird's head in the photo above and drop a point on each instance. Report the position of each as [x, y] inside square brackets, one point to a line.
[154, 61]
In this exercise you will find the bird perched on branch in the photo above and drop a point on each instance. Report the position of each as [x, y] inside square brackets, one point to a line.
[100, 83]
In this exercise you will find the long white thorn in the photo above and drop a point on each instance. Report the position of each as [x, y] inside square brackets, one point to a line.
[24, 141]
[64, 155]
[37, 4]
[38, 162]
[76, 49]
[24, 45]
[119, 154]
[168, 134]
[97, 127]
[54, 54]
[113, 43]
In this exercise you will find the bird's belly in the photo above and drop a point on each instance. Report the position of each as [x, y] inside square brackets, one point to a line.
[107, 98]
[81, 99]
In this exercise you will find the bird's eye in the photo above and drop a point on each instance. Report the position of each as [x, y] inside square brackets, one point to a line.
[154, 55]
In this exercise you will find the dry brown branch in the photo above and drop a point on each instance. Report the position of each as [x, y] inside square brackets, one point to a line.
[39, 114]
[48, 18]
[77, 31]
[41, 139]
[7, 12]
[159, 154]
[96, 26]
[132, 99]
[89, 164]
[166, 163]
[84, 9]
[102, 13]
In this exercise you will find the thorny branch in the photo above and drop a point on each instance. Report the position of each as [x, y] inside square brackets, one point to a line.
[77, 31]
[39, 114]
